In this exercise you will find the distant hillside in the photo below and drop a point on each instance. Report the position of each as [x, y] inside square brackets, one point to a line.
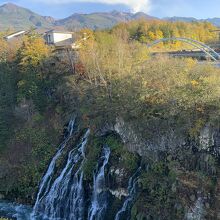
[15, 17]
[99, 20]
[214, 21]
[184, 19]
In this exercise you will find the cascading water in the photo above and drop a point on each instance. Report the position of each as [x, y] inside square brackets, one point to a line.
[64, 199]
[46, 180]
[99, 198]
[132, 186]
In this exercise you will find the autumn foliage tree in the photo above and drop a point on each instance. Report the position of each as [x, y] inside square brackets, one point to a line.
[30, 57]
[32, 52]
[148, 31]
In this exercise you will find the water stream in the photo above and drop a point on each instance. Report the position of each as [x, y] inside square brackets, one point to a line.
[99, 197]
[15, 211]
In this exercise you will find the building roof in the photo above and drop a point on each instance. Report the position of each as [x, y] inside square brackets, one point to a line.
[59, 31]
[15, 34]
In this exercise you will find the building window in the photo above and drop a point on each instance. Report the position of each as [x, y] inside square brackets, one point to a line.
[49, 39]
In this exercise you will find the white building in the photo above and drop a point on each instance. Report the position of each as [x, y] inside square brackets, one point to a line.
[15, 35]
[58, 38]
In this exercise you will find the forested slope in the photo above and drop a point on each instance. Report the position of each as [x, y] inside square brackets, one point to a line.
[163, 113]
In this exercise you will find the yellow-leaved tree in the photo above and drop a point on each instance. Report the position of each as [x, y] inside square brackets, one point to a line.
[33, 51]
[30, 57]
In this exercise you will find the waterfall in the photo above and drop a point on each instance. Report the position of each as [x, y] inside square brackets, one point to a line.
[61, 195]
[54, 200]
[64, 199]
[46, 180]
[197, 212]
[99, 198]
[132, 186]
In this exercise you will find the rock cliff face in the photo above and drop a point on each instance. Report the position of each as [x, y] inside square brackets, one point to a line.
[207, 141]
[193, 161]
[158, 143]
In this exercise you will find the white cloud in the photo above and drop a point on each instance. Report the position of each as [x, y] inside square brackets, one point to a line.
[134, 5]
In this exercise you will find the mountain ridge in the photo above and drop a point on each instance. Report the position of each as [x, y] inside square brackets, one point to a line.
[214, 21]
[100, 20]
[16, 17]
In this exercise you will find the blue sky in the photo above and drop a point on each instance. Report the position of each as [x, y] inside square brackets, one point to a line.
[159, 8]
